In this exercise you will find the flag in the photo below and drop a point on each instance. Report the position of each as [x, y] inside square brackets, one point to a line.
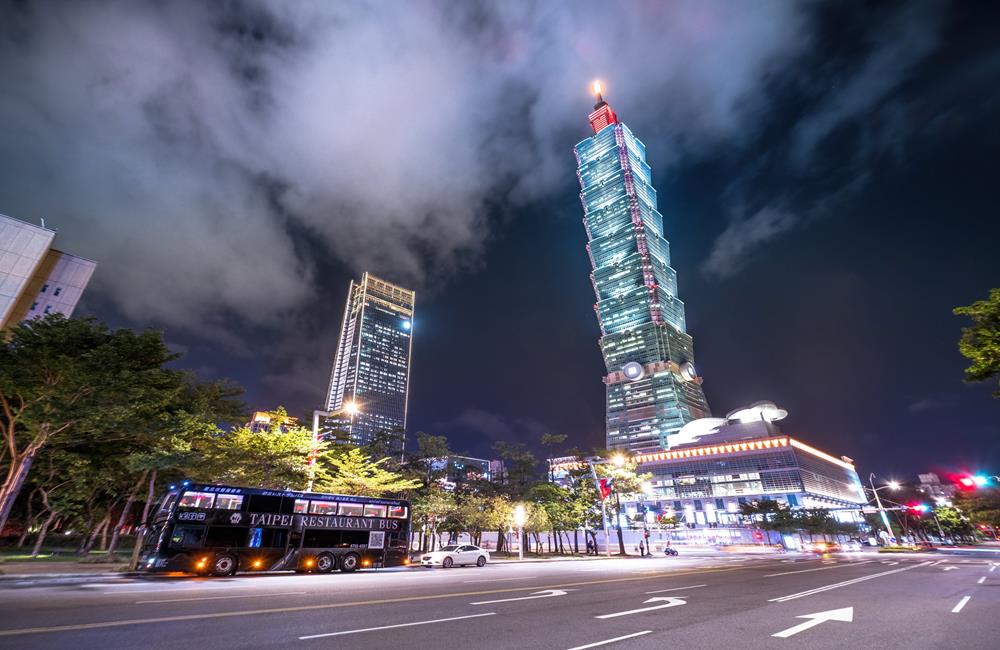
[604, 486]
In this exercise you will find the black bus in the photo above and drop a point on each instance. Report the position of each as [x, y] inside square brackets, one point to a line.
[221, 529]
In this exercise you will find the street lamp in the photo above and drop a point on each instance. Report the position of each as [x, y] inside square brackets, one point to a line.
[892, 485]
[351, 409]
[520, 516]
[604, 511]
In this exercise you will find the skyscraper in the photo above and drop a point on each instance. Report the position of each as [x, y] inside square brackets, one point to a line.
[652, 386]
[370, 381]
[36, 279]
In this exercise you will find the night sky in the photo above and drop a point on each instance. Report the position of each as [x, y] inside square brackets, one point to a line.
[827, 174]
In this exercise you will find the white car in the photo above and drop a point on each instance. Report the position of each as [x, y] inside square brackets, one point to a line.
[456, 554]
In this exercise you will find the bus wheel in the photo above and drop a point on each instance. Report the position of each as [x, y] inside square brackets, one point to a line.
[349, 563]
[224, 564]
[325, 563]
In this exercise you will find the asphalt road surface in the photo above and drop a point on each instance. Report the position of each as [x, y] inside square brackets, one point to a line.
[729, 601]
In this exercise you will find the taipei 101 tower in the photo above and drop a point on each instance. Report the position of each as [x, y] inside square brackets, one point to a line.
[652, 386]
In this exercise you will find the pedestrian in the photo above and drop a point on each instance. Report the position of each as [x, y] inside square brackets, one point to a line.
[588, 546]
[642, 549]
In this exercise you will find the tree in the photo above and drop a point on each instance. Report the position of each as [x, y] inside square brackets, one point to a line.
[276, 458]
[431, 506]
[352, 472]
[62, 376]
[980, 343]
[521, 467]
[550, 441]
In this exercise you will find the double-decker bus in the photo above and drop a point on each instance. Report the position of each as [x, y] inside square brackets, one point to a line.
[221, 529]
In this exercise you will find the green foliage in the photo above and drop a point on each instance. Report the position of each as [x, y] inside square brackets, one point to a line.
[980, 342]
[275, 458]
[353, 472]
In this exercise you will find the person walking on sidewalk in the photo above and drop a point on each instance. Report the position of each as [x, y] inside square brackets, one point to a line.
[642, 549]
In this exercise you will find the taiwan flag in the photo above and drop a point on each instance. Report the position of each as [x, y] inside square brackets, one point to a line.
[604, 486]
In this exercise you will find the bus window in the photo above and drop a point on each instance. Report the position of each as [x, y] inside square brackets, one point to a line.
[322, 507]
[397, 512]
[354, 539]
[168, 501]
[262, 503]
[351, 509]
[187, 536]
[374, 511]
[301, 506]
[255, 536]
[321, 539]
[231, 536]
[229, 501]
[274, 538]
[196, 500]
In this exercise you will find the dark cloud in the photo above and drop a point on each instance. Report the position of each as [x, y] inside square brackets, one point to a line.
[494, 427]
[182, 145]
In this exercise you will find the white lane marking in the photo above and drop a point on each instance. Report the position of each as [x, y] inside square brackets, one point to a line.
[948, 568]
[845, 615]
[660, 591]
[939, 562]
[822, 568]
[829, 561]
[957, 608]
[981, 580]
[668, 601]
[390, 627]
[810, 592]
[547, 593]
[607, 641]
[184, 600]
[503, 579]
[993, 568]
[159, 591]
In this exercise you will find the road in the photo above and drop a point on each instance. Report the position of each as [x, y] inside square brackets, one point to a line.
[727, 601]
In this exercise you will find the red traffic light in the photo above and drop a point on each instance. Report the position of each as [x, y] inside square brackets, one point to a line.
[757, 535]
[967, 481]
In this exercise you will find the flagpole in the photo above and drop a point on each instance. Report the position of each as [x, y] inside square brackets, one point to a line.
[604, 512]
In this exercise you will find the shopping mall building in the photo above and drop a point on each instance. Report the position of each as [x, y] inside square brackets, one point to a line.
[716, 464]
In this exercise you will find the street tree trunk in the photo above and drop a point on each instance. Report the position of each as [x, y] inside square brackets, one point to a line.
[43, 532]
[20, 464]
[123, 517]
[101, 526]
[143, 525]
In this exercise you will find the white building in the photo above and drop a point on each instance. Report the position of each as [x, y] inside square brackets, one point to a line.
[36, 279]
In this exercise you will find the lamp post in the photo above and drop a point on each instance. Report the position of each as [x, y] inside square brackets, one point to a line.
[604, 512]
[351, 409]
[619, 461]
[892, 485]
[520, 516]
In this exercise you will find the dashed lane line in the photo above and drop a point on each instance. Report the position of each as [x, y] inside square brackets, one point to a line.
[822, 568]
[390, 627]
[810, 592]
[614, 640]
[981, 580]
[957, 608]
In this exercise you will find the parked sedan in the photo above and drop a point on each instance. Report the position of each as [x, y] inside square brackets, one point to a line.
[449, 556]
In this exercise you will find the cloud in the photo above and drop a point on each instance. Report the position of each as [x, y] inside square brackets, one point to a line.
[189, 147]
[926, 404]
[742, 237]
[865, 97]
[494, 427]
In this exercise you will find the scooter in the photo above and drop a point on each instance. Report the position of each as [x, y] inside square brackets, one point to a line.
[669, 550]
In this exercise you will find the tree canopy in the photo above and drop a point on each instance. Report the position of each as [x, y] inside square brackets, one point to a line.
[980, 342]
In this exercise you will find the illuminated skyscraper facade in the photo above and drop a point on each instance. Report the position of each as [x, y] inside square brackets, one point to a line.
[652, 386]
[369, 384]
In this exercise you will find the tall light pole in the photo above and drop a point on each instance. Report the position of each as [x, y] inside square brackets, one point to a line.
[351, 409]
[604, 511]
[892, 485]
[520, 516]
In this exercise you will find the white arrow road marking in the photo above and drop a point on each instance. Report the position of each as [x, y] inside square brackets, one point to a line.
[949, 568]
[389, 627]
[960, 604]
[607, 641]
[548, 593]
[846, 615]
[668, 601]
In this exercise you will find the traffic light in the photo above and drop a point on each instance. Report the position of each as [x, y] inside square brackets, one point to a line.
[919, 507]
[967, 482]
[758, 535]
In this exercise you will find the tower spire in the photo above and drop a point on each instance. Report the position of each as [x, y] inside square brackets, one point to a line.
[602, 115]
